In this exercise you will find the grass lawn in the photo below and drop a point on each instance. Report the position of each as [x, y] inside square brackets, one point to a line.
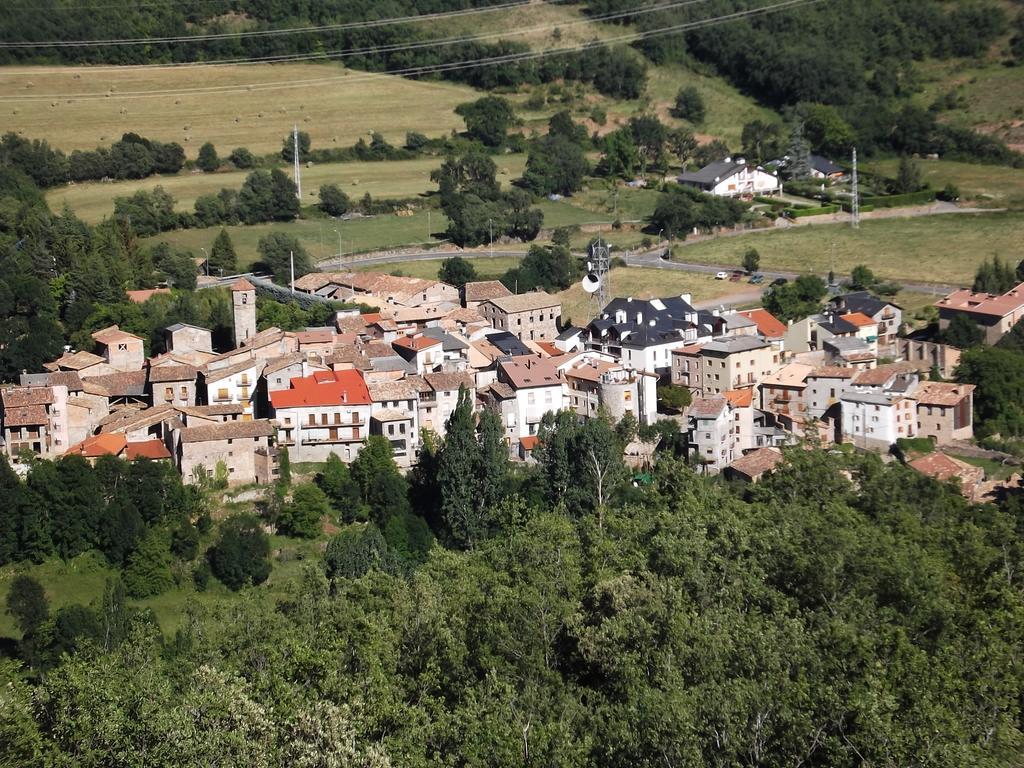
[487, 268]
[316, 97]
[82, 580]
[395, 179]
[319, 236]
[994, 470]
[939, 249]
[996, 184]
[642, 283]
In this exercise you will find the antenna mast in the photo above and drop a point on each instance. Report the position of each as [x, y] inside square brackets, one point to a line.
[855, 203]
[295, 152]
[595, 282]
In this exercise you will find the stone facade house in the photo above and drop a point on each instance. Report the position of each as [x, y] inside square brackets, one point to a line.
[945, 411]
[245, 447]
[529, 316]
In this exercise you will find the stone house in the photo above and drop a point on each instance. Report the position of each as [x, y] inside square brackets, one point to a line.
[122, 351]
[245, 447]
[172, 384]
[529, 316]
[945, 411]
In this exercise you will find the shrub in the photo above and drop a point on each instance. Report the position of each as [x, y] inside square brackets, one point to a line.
[241, 555]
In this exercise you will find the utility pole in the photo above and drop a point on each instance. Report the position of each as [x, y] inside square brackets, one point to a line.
[855, 204]
[340, 250]
[295, 151]
[490, 228]
[428, 225]
[291, 259]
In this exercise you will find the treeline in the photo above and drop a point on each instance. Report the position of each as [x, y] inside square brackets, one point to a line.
[618, 73]
[841, 612]
[132, 157]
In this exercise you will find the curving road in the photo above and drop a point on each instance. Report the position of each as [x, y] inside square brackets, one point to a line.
[650, 259]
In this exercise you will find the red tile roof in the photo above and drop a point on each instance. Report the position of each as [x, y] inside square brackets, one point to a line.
[989, 304]
[768, 325]
[529, 442]
[108, 444]
[241, 284]
[756, 463]
[859, 319]
[324, 388]
[740, 398]
[147, 449]
[141, 297]
[416, 343]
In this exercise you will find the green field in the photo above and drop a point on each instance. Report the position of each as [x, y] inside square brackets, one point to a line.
[316, 97]
[487, 268]
[82, 580]
[319, 236]
[930, 249]
[387, 179]
[994, 185]
[992, 95]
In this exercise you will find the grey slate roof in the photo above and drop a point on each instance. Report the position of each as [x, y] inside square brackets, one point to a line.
[712, 173]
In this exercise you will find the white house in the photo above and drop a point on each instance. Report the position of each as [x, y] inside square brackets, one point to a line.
[538, 389]
[874, 419]
[732, 178]
[328, 412]
[234, 384]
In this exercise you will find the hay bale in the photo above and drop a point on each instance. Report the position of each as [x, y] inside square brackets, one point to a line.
[53, 103]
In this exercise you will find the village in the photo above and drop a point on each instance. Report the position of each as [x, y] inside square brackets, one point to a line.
[845, 375]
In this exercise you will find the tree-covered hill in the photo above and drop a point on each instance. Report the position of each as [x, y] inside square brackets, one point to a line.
[841, 613]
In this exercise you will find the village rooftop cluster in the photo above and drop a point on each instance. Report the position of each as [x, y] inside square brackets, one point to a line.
[757, 384]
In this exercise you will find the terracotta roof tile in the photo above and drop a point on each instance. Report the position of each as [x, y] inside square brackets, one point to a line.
[942, 393]
[740, 398]
[241, 284]
[482, 290]
[25, 416]
[323, 388]
[525, 302]
[707, 407]
[147, 449]
[229, 430]
[24, 396]
[449, 382]
[164, 373]
[756, 463]
[768, 325]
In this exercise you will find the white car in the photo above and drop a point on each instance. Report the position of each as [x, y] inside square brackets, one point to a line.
[721, 276]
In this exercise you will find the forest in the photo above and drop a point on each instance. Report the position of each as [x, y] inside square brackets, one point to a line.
[841, 612]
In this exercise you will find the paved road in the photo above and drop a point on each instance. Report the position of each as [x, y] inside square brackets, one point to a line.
[652, 258]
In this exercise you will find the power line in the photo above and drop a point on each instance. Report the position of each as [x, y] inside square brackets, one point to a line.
[428, 69]
[392, 47]
[365, 24]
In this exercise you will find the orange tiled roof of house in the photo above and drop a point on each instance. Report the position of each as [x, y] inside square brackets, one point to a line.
[324, 388]
[768, 325]
[106, 444]
[147, 449]
[141, 297]
[978, 303]
[942, 393]
[740, 398]
[859, 319]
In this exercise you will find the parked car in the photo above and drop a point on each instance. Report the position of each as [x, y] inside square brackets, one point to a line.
[735, 277]
[721, 276]
[779, 281]
[757, 279]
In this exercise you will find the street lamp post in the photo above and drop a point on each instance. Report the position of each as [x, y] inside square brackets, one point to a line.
[340, 250]
[206, 260]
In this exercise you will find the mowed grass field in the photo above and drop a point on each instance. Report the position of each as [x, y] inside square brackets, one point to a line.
[994, 184]
[319, 236]
[929, 249]
[86, 107]
[387, 179]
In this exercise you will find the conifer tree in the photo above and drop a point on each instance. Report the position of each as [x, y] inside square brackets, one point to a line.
[222, 254]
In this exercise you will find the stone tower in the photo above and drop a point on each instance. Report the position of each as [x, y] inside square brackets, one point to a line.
[243, 300]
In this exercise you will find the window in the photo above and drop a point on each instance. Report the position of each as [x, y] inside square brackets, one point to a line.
[312, 420]
[287, 420]
[245, 299]
[707, 435]
[122, 347]
[222, 393]
[531, 398]
[547, 396]
[323, 418]
[184, 393]
[168, 393]
[391, 429]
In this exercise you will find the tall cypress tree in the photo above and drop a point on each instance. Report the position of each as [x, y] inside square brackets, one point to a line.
[455, 476]
[222, 254]
[491, 464]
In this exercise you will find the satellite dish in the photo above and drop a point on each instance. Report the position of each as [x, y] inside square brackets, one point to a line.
[591, 283]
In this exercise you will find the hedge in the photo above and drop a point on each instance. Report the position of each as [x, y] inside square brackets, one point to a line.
[863, 208]
[799, 213]
[772, 201]
[896, 201]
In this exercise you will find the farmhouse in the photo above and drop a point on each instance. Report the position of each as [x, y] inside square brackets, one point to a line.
[994, 315]
[530, 316]
[732, 178]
